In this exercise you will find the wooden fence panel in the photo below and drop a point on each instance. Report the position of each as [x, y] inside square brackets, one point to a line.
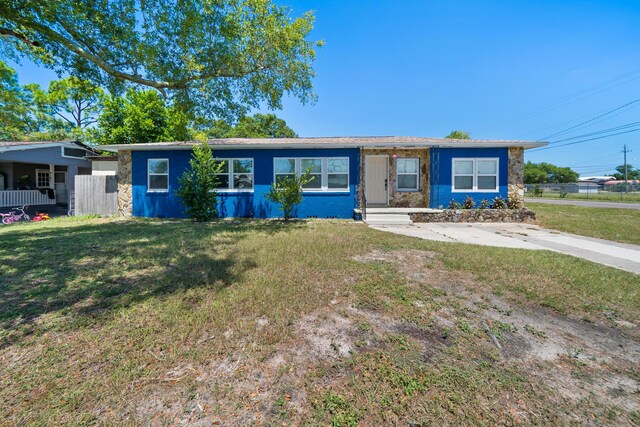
[96, 195]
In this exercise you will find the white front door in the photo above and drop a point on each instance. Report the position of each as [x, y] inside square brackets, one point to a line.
[61, 187]
[376, 178]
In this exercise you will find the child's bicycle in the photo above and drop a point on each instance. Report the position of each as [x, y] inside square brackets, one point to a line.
[17, 214]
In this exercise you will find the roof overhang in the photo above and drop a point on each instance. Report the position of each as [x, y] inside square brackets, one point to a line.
[6, 147]
[262, 144]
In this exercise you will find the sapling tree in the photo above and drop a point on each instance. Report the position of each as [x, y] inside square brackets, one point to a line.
[287, 192]
[198, 185]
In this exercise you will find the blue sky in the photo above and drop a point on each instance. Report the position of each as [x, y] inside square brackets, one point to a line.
[498, 69]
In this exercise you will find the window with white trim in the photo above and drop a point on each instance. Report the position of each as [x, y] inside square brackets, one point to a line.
[327, 173]
[407, 171]
[43, 178]
[479, 174]
[158, 175]
[236, 175]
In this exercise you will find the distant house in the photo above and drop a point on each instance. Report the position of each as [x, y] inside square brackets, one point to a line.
[349, 173]
[41, 172]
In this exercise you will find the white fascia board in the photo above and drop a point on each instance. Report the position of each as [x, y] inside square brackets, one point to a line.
[275, 145]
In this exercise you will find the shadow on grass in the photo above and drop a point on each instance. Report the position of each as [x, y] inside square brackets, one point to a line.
[86, 269]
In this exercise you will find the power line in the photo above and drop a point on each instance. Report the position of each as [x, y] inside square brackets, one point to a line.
[598, 132]
[593, 90]
[582, 117]
[590, 120]
[585, 140]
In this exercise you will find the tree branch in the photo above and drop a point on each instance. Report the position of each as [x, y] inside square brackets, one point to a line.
[21, 37]
[68, 121]
[109, 69]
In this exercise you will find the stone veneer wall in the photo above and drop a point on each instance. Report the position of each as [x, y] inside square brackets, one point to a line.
[515, 181]
[476, 215]
[125, 197]
[405, 199]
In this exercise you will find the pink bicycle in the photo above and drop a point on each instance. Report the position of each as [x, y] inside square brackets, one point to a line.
[18, 214]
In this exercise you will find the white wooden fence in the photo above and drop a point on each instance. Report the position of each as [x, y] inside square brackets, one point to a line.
[96, 195]
[12, 198]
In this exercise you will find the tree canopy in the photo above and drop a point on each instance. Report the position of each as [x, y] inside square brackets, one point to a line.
[216, 58]
[632, 173]
[256, 126]
[15, 105]
[74, 101]
[139, 117]
[458, 134]
[541, 173]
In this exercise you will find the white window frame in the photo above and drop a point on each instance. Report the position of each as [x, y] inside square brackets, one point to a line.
[45, 172]
[157, 190]
[475, 175]
[323, 172]
[416, 173]
[231, 173]
[324, 186]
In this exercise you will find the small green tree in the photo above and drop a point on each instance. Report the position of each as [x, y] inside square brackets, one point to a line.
[198, 185]
[287, 192]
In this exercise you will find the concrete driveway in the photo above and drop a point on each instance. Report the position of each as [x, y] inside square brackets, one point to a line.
[526, 236]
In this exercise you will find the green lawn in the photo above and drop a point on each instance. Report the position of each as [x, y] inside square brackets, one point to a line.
[620, 225]
[107, 322]
[633, 197]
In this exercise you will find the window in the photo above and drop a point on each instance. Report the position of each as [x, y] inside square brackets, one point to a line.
[236, 175]
[338, 173]
[158, 175]
[315, 167]
[43, 178]
[327, 173]
[283, 168]
[475, 174]
[408, 174]
[76, 153]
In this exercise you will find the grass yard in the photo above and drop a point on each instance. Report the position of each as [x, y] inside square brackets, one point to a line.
[632, 197]
[620, 225]
[156, 322]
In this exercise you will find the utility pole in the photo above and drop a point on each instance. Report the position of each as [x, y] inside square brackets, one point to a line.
[625, 150]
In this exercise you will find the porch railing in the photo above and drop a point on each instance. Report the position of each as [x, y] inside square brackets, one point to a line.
[11, 198]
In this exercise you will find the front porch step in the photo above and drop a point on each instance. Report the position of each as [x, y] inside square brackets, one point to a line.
[388, 219]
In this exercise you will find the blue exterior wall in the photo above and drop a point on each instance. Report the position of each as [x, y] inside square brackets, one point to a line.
[243, 204]
[441, 189]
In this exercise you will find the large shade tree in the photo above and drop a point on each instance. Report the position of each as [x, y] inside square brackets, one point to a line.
[141, 116]
[256, 126]
[15, 105]
[213, 57]
[71, 100]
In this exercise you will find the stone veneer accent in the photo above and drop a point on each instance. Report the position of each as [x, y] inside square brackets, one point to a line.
[515, 180]
[125, 197]
[476, 215]
[404, 199]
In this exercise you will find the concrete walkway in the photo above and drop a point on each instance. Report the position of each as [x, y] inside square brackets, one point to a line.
[526, 236]
[586, 203]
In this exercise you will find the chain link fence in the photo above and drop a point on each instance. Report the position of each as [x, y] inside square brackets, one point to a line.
[616, 191]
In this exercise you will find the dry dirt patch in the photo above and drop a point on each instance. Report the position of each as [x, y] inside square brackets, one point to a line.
[582, 360]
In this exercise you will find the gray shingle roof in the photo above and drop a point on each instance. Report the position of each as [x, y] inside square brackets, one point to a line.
[333, 142]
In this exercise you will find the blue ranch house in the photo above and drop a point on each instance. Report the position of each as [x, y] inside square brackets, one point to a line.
[350, 174]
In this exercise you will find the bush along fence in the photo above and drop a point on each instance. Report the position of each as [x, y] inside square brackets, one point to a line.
[495, 210]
